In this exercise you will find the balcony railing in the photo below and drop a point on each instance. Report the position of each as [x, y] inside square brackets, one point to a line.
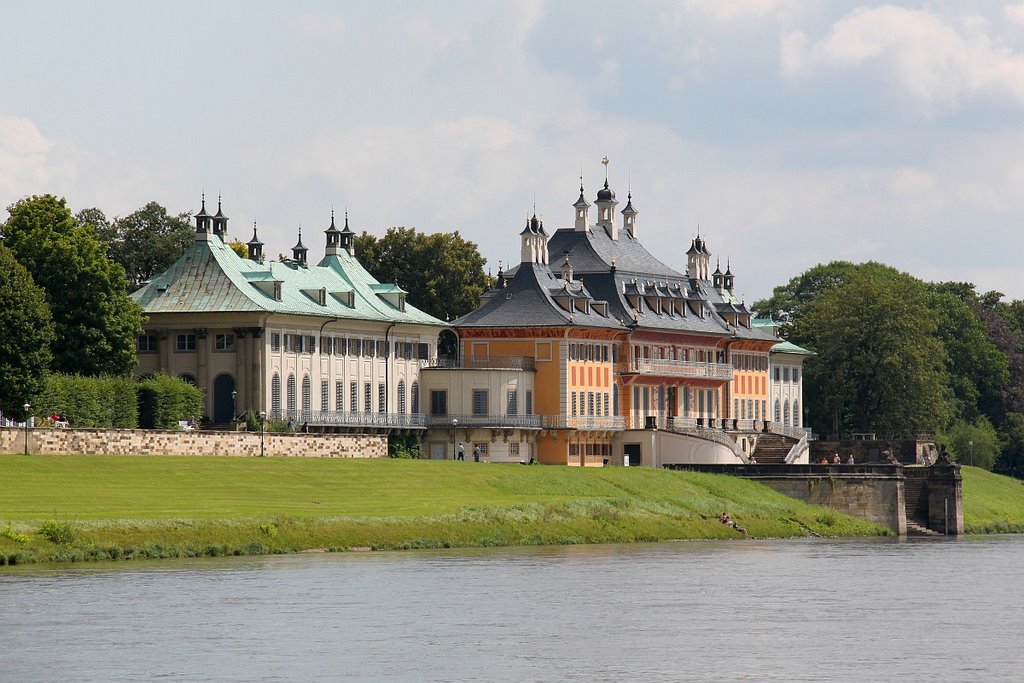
[334, 418]
[485, 421]
[490, 363]
[584, 422]
[681, 368]
[711, 434]
[787, 430]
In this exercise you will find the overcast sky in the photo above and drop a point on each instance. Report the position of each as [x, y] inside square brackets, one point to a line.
[793, 132]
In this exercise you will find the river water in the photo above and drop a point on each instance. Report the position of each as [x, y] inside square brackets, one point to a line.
[802, 610]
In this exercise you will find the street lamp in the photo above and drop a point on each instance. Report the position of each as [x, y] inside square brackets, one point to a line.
[26, 407]
[455, 424]
[970, 445]
[234, 407]
[263, 425]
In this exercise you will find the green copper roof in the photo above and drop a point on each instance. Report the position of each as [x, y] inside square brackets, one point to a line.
[790, 347]
[211, 277]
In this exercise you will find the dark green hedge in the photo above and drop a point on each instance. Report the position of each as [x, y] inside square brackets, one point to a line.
[101, 402]
[165, 400]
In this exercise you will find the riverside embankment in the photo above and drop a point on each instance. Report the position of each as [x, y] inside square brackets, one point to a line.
[73, 508]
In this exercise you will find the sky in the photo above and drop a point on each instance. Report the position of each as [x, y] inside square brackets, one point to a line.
[787, 132]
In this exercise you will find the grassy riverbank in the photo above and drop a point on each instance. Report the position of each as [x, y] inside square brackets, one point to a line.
[69, 508]
[993, 504]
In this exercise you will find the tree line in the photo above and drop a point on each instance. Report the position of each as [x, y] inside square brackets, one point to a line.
[899, 356]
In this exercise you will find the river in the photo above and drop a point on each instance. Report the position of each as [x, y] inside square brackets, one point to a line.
[799, 610]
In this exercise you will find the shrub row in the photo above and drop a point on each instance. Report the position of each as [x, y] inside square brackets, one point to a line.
[158, 402]
[165, 400]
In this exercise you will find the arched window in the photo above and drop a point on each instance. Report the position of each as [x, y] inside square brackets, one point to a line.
[188, 378]
[796, 413]
[778, 410]
[414, 396]
[306, 401]
[401, 397]
[291, 393]
[785, 413]
[275, 394]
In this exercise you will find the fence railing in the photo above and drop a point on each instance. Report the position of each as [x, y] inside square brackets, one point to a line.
[681, 368]
[708, 433]
[490, 363]
[334, 418]
[485, 421]
[584, 422]
[787, 430]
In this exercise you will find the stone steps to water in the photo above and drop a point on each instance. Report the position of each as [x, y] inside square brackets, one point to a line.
[915, 529]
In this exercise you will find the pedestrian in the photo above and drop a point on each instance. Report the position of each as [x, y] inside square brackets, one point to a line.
[462, 453]
[476, 452]
[849, 459]
[291, 424]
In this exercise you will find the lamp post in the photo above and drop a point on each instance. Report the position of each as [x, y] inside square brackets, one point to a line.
[234, 408]
[455, 424]
[27, 406]
[970, 446]
[263, 426]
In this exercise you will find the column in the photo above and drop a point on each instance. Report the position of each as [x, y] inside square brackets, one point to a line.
[242, 402]
[202, 367]
[256, 379]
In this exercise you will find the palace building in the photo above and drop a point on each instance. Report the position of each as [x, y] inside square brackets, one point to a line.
[592, 351]
[324, 345]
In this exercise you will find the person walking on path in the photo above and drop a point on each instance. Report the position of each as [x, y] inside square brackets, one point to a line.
[462, 453]
[476, 453]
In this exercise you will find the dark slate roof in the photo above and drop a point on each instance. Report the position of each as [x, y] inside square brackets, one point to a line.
[529, 299]
[592, 251]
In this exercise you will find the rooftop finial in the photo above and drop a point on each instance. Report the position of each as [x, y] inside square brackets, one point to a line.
[605, 162]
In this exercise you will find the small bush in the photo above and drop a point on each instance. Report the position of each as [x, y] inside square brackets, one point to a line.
[404, 446]
[57, 532]
[9, 532]
[268, 529]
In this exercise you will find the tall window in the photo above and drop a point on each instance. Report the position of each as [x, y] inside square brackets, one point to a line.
[275, 341]
[325, 395]
[353, 397]
[529, 402]
[512, 405]
[275, 394]
[367, 398]
[382, 393]
[590, 403]
[480, 402]
[146, 343]
[615, 399]
[414, 394]
[573, 404]
[401, 397]
[438, 402]
[186, 343]
[306, 399]
[785, 413]
[223, 342]
[339, 396]
[796, 413]
[291, 393]
[606, 404]
[778, 410]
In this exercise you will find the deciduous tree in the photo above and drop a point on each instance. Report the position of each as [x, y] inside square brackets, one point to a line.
[95, 322]
[879, 366]
[149, 240]
[25, 340]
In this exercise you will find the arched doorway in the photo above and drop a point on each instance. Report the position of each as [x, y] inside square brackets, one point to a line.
[223, 401]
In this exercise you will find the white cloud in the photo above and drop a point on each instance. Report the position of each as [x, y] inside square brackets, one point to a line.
[728, 11]
[1015, 13]
[938, 64]
[25, 157]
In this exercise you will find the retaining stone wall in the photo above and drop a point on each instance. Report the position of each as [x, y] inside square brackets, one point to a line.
[158, 442]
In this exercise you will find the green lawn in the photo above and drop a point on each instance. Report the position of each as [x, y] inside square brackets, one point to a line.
[992, 503]
[173, 506]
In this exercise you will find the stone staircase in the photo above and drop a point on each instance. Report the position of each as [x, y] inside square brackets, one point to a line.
[915, 497]
[915, 529]
[772, 449]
